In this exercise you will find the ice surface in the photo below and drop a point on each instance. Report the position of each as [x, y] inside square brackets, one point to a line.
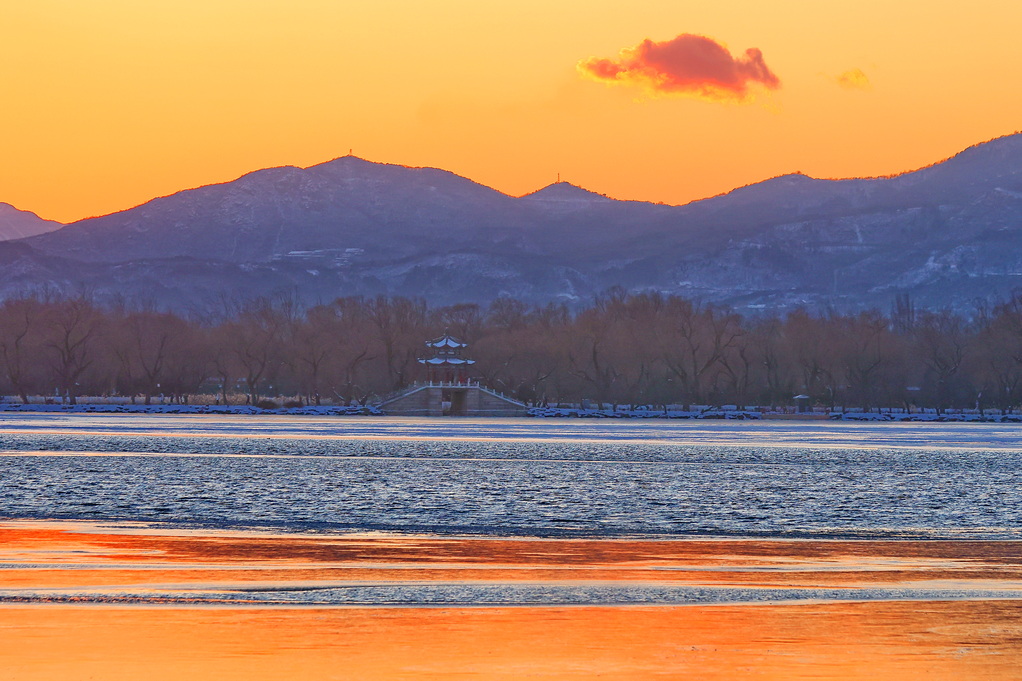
[518, 477]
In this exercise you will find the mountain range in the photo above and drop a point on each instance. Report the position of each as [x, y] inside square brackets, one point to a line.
[946, 235]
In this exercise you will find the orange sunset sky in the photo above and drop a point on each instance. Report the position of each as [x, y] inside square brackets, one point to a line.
[108, 103]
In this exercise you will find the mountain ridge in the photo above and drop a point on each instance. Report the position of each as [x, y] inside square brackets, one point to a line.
[947, 233]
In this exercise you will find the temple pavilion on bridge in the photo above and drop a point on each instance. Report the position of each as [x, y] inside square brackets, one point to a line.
[449, 390]
[447, 364]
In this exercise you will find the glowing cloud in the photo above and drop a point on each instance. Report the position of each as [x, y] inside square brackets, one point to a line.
[854, 80]
[692, 65]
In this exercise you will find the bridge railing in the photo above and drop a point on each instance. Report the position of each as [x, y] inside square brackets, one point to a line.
[419, 385]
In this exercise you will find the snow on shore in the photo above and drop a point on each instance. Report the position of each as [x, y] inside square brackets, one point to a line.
[535, 412]
[186, 409]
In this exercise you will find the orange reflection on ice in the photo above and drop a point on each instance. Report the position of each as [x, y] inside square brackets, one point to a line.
[913, 639]
[934, 641]
[137, 554]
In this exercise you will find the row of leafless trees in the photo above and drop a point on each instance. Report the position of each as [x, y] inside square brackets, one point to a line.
[623, 349]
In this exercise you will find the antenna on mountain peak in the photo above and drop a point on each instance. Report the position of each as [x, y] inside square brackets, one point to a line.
[558, 178]
[351, 152]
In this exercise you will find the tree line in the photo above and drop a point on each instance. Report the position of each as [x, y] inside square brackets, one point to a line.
[623, 349]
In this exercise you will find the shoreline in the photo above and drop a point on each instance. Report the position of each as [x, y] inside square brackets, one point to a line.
[707, 414]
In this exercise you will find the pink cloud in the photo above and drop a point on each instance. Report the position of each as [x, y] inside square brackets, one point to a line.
[687, 65]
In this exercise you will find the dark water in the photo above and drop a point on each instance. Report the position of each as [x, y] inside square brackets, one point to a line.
[518, 477]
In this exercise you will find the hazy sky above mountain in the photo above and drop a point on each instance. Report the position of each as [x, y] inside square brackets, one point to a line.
[109, 103]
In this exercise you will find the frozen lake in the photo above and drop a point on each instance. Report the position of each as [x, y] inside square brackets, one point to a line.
[500, 477]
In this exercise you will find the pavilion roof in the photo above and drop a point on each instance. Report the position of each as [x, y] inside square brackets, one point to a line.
[446, 341]
[436, 361]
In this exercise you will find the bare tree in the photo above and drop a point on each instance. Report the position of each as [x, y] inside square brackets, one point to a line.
[20, 329]
[70, 335]
[400, 326]
[255, 344]
[941, 342]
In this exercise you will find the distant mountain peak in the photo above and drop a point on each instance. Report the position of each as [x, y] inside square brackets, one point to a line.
[794, 179]
[565, 191]
[18, 224]
[797, 176]
[347, 160]
[8, 209]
